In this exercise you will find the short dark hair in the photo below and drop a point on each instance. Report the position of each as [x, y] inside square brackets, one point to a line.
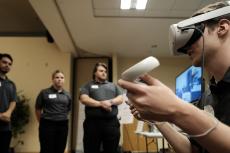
[55, 72]
[2, 55]
[96, 66]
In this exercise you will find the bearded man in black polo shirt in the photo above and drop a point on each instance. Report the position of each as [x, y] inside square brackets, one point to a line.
[7, 102]
[101, 125]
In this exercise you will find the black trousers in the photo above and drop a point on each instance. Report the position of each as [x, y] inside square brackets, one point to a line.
[99, 133]
[53, 136]
[5, 137]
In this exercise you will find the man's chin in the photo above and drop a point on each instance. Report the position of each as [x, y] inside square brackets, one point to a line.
[102, 79]
[196, 63]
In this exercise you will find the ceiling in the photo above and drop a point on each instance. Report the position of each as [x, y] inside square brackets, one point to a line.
[19, 19]
[98, 27]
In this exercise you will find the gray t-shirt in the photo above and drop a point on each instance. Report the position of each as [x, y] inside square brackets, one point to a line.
[7, 95]
[54, 105]
[100, 92]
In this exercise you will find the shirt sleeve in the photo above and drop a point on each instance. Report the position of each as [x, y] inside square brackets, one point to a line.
[39, 101]
[84, 89]
[118, 90]
[13, 93]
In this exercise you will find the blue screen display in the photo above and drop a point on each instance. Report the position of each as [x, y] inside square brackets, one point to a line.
[188, 84]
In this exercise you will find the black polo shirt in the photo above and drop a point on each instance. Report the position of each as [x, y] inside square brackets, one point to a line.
[54, 105]
[7, 95]
[218, 99]
[100, 92]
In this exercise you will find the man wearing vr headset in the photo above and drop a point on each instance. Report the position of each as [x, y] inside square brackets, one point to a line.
[209, 47]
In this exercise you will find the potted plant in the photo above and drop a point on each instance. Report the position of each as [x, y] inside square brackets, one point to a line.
[19, 118]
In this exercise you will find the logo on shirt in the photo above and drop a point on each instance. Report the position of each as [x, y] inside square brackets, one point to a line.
[94, 86]
[52, 96]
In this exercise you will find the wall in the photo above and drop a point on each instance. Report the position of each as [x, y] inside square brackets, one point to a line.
[167, 71]
[34, 61]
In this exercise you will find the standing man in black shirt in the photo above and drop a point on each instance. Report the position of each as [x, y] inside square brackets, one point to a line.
[101, 126]
[52, 107]
[7, 102]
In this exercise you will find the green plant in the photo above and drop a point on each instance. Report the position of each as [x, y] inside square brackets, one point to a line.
[20, 116]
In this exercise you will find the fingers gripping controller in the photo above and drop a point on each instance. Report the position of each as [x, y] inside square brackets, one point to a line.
[144, 66]
[133, 73]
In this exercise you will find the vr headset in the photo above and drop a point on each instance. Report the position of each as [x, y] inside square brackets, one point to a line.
[183, 34]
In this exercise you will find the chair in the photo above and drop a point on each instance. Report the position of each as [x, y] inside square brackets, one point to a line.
[152, 133]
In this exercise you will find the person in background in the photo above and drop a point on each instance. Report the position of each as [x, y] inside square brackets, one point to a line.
[101, 126]
[157, 102]
[7, 102]
[52, 107]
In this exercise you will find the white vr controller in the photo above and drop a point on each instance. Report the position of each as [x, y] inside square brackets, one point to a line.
[132, 74]
[144, 66]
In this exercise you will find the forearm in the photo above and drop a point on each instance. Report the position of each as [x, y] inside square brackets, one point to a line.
[117, 100]
[179, 142]
[86, 100]
[11, 107]
[6, 116]
[194, 121]
[38, 114]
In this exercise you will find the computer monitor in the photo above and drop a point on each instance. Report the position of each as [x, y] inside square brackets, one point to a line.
[189, 84]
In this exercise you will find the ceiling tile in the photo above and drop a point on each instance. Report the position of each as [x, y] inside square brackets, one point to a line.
[160, 4]
[157, 13]
[104, 12]
[106, 4]
[186, 4]
[181, 13]
[134, 13]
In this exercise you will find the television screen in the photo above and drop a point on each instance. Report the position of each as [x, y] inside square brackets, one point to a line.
[188, 84]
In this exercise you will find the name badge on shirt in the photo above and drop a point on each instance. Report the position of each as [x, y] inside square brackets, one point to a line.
[94, 86]
[52, 96]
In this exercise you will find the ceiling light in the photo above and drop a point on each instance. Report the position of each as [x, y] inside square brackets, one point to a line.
[228, 2]
[125, 4]
[141, 4]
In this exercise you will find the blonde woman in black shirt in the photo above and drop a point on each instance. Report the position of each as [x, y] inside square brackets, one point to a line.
[52, 107]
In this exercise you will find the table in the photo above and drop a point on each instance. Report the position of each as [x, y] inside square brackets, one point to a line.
[152, 135]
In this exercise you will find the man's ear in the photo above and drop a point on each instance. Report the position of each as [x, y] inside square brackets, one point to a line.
[224, 27]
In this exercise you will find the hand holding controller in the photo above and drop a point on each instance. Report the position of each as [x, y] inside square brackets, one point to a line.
[144, 66]
[132, 74]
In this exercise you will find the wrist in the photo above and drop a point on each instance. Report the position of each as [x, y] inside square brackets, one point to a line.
[100, 104]
[9, 111]
[111, 101]
[181, 114]
[189, 115]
